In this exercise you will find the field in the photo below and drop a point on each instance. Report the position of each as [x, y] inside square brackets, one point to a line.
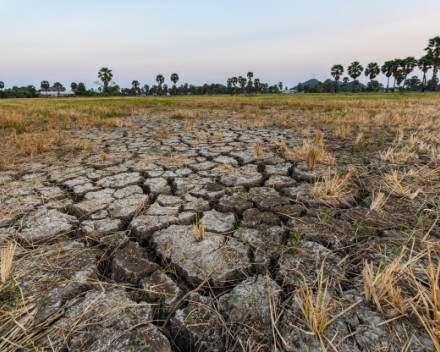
[245, 223]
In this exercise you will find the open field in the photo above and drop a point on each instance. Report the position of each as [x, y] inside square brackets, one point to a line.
[252, 223]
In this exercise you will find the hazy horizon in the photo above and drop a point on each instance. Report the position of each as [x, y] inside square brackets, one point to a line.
[286, 41]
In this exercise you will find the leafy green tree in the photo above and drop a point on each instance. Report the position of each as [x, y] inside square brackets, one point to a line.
[135, 86]
[425, 64]
[371, 71]
[105, 75]
[300, 87]
[2, 85]
[45, 85]
[160, 79]
[146, 89]
[81, 89]
[345, 81]
[74, 87]
[337, 71]
[59, 87]
[354, 71]
[433, 52]
[280, 85]
[413, 83]
[174, 78]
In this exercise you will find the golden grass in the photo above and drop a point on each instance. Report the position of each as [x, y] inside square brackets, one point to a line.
[258, 149]
[6, 258]
[333, 189]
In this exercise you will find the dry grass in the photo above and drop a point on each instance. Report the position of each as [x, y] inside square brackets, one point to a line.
[164, 132]
[259, 149]
[199, 231]
[333, 189]
[6, 258]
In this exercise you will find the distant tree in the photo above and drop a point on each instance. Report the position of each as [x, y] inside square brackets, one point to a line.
[433, 53]
[280, 85]
[45, 85]
[74, 87]
[408, 65]
[160, 79]
[146, 89]
[105, 75]
[300, 87]
[242, 82]
[337, 71]
[165, 89]
[372, 71]
[387, 70]
[425, 64]
[373, 86]
[81, 89]
[234, 81]
[413, 83]
[345, 81]
[355, 70]
[229, 84]
[398, 71]
[59, 87]
[2, 85]
[400, 77]
[250, 75]
[135, 86]
[174, 78]
[257, 85]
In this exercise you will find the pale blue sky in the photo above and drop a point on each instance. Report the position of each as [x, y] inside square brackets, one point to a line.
[205, 41]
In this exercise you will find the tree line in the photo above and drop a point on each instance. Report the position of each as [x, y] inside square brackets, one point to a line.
[399, 69]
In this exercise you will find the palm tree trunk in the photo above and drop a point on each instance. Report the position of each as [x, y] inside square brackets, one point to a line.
[394, 86]
[352, 88]
[434, 79]
[424, 81]
[336, 86]
[388, 83]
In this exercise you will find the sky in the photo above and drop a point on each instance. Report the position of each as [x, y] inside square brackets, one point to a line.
[205, 41]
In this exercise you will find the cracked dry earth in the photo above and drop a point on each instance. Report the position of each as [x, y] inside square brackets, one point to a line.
[112, 263]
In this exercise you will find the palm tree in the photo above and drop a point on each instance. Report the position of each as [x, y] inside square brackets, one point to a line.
[372, 71]
[345, 81]
[355, 70]
[408, 66]
[425, 64]
[337, 71]
[135, 86]
[105, 75]
[74, 87]
[45, 85]
[280, 84]
[387, 70]
[397, 70]
[234, 81]
[242, 82]
[433, 52]
[160, 80]
[174, 78]
[2, 85]
[146, 89]
[250, 75]
[58, 86]
[257, 85]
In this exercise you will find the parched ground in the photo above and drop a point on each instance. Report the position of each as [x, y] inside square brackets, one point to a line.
[184, 233]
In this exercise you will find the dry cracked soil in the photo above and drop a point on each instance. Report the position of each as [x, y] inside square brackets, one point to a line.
[110, 258]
